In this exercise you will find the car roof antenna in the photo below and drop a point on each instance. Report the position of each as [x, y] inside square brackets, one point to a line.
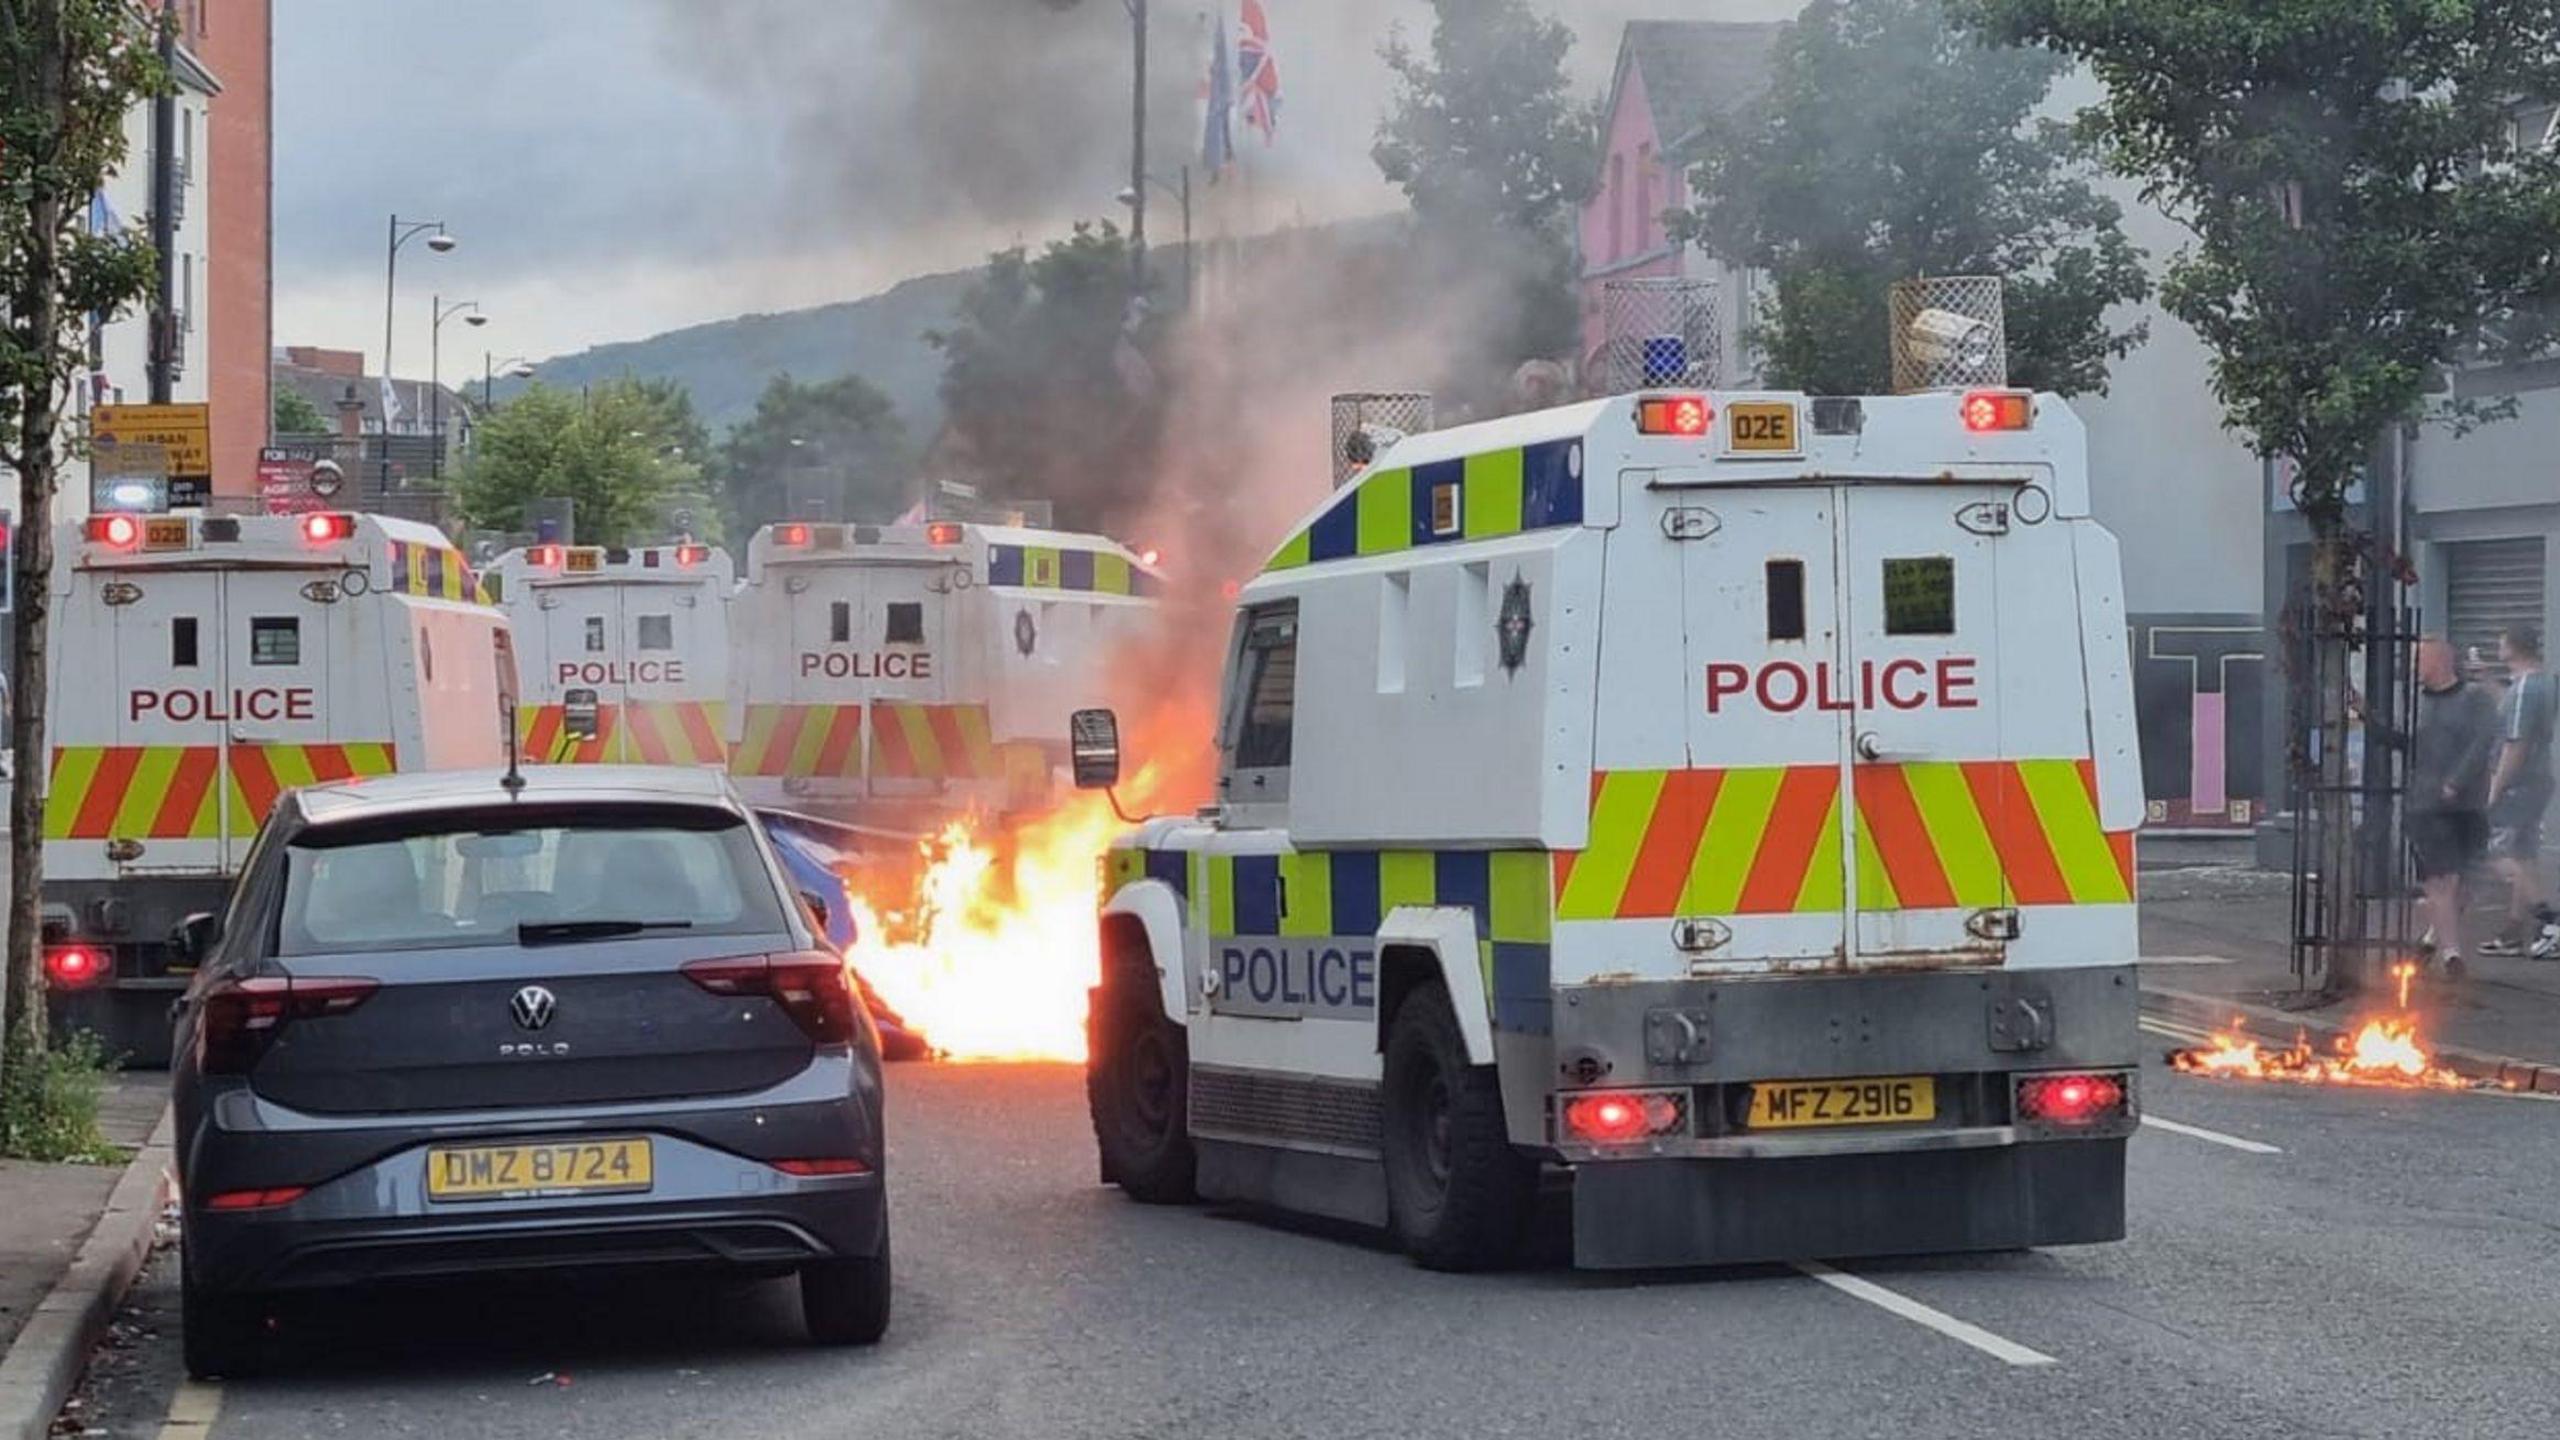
[513, 781]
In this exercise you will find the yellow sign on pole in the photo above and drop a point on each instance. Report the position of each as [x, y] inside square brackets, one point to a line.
[185, 431]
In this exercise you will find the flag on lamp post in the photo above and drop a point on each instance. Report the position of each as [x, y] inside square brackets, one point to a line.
[1258, 76]
[1218, 140]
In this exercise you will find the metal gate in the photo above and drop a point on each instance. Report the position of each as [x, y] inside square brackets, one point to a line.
[2491, 585]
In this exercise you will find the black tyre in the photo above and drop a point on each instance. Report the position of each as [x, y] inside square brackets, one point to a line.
[1459, 1197]
[224, 1336]
[1138, 1086]
[846, 1302]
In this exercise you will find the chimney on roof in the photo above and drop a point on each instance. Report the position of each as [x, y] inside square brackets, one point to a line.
[349, 363]
[350, 415]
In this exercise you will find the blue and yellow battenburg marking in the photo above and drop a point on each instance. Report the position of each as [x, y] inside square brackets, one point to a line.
[1318, 894]
[1447, 502]
[432, 571]
[1055, 567]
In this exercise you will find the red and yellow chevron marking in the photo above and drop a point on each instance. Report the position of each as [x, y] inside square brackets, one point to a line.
[171, 792]
[1766, 841]
[800, 741]
[932, 742]
[658, 732]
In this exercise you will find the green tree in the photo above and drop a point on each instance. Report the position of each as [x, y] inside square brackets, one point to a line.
[839, 438]
[1485, 139]
[1047, 380]
[70, 73]
[608, 451]
[1891, 145]
[296, 415]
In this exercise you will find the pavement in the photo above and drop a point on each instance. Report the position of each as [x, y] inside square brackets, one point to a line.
[2303, 1262]
[72, 1239]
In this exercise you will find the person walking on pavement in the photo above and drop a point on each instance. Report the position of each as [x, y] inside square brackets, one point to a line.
[2520, 791]
[2449, 762]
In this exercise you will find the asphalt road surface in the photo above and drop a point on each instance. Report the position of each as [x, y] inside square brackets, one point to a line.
[2303, 1262]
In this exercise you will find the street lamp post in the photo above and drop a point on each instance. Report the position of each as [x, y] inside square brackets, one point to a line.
[441, 242]
[469, 310]
[1138, 148]
[1181, 190]
[519, 368]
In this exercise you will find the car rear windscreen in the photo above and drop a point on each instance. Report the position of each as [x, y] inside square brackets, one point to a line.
[484, 885]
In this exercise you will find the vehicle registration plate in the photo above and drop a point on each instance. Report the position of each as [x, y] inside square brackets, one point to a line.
[1761, 427]
[586, 560]
[537, 1169]
[1886, 1101]
[167, 533]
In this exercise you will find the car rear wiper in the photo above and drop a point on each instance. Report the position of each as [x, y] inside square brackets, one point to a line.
[555, 932]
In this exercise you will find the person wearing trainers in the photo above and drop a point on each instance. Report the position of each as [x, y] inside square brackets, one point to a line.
[2520, 789]
[2450, 754]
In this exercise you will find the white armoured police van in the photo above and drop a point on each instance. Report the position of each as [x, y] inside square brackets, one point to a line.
[201, 665]
[911, 670]
[639, 632]
[1725, 800]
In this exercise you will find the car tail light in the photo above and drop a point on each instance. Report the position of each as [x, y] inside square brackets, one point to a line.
[75, 967]
[814, 990]
[2072, 1099]
[1686, 416]
[688, 556]
[942, 532]
[322, 527]
[1618, 1117]
[1986, 411]
[121, 532]
[829, 1165]
[243, 1017]
[267, 1199]
[545, 557]
[792, 535]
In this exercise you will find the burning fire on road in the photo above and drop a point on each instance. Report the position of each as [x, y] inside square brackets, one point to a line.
[2383, 1050]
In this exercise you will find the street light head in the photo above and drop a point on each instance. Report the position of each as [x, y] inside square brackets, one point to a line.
[520, 371]
[1128, 197]
[475, 318]
[441, 242]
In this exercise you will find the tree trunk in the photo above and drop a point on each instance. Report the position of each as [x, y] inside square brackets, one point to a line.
[2340, 912]
[36, 308]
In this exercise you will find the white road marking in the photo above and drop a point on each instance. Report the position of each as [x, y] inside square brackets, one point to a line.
[2008, 1352]
[2198, 1132]
[2168, 1031]
[192, 1411]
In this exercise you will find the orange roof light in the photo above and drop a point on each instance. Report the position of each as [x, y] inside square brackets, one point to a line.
[1989, 411]
[122, 532]
[688, 556]
[1684, 416]
[545, 556]
[942, 532]
[793, 535]
[321, 527]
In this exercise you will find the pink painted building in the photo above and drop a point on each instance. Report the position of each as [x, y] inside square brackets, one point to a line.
[1672, 76]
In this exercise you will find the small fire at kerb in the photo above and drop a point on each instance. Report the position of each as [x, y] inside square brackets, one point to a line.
[2382, 1050]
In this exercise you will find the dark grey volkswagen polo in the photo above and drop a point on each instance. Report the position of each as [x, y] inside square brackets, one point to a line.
[448, 1026]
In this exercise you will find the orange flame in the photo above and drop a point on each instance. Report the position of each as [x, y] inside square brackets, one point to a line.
[2385, 1050]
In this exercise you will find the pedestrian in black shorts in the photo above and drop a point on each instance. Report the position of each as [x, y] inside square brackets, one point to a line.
[2449, 760]
[2520, 790]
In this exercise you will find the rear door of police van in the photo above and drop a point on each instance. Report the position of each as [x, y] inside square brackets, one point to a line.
[135, 724]
[583, 622]
[275, 657]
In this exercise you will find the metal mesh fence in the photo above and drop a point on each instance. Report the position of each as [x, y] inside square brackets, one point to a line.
[1366, 423]
[1949, 332]
[1660, 332]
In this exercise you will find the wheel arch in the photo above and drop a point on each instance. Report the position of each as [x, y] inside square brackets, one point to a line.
[1418, 944]
[1142, 924]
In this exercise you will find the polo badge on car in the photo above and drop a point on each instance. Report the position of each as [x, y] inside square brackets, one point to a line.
[532, 1007]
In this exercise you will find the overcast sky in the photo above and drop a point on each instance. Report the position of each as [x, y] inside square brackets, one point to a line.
[615, 168]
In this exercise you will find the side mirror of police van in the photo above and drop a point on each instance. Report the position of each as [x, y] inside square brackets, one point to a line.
[1093, 748]
[195, 937]
[579, 714]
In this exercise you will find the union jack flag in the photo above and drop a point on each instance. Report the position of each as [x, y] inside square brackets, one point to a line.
[1259, 91]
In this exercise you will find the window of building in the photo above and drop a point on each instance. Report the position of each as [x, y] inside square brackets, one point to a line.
[840, 623]
[1786, 599]
[657, 632]
[906, 622]
[182, 641]
[1645, 207]
[1617, 207]
[275, 640]
[1920, 596]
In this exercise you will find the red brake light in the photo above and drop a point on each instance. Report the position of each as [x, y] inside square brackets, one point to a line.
[74, 967]
[829, 1165]
[2070, 1099]
[1614, 1117]
[1986, 411]
[322, 527]
[942, 532]
[241, 1018]
[688, 556]
[121, 531]
[814, 990]
[1686, 416]
[545, 557]
[257, 1199]
[796, 536]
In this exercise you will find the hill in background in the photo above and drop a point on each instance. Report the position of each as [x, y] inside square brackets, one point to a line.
[727, 362]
